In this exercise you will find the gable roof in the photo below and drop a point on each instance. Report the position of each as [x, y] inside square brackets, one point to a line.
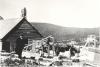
[7, 25]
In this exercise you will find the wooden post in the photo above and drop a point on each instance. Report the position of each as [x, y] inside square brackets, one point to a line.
[42, 45]
[53, 50]
[48, 48]
[53, 46]
[0, 45]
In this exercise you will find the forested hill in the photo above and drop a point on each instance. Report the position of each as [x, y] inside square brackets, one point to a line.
[64, 33]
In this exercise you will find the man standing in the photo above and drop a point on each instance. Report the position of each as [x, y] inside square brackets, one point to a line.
[20, 43]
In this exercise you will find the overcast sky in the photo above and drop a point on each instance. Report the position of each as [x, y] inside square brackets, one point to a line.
[68, 13]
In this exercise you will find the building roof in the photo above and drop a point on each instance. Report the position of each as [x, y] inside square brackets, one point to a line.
[7, 25]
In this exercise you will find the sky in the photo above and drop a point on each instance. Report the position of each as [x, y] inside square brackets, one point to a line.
[67, 13]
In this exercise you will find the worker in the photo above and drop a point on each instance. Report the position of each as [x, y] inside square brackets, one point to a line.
[20, 44]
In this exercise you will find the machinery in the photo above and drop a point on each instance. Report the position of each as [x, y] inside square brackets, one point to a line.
[91, 51]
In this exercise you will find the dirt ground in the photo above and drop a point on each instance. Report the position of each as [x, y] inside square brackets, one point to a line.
[66, 65]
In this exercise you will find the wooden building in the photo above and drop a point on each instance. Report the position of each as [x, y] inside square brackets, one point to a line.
[11, 29]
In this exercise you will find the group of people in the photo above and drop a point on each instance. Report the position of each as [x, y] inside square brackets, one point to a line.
[20, 44]
[57, 49]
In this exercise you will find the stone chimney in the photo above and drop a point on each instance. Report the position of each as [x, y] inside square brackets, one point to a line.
[23, 13]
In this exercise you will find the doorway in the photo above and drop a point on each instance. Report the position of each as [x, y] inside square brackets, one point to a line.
[6, 46]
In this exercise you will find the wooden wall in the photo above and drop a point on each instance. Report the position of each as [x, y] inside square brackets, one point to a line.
[23, 28]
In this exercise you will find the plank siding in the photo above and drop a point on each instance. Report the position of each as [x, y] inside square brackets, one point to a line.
[25, 29]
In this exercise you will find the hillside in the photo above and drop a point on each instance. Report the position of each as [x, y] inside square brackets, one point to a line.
[64, 33]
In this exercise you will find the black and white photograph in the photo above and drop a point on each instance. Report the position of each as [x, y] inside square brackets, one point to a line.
[49, 33]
